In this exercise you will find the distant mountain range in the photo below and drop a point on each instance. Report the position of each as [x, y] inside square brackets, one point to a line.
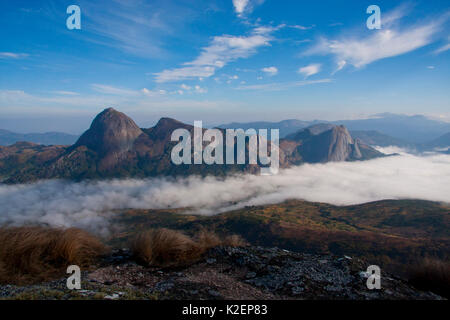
[114, 146]
[414, 132]
[47, 138]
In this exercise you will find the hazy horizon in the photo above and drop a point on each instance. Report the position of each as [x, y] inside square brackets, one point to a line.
[80, 124]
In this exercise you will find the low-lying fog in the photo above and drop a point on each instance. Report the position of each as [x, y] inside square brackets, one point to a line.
[86, 204]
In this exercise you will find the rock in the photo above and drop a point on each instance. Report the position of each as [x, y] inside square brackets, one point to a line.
[113, 296]
[234, 273]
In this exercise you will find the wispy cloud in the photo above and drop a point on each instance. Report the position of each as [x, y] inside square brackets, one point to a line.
[199, 89]
[390, 41]
[143, 101]
[244, 6]
[221, 51]
[310, 70]
[300, 27]
[444, 48]
[136, 27]
[106, 89]
[195, 89]
[185, 87]
[270, 70]
[13, 55]
[278, 86]
[66, 93]
[239, 5]
[153, 93]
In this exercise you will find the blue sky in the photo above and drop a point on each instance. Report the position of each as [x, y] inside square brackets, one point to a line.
[220, 61]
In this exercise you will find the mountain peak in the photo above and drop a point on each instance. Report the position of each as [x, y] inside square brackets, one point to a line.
[168, 122]
[164, 128]
[110, 131]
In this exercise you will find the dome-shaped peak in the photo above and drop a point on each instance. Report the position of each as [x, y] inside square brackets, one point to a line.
[111, 130]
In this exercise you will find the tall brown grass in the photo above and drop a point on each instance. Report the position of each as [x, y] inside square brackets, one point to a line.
[34, 254]
[168, 248]
[431, 275]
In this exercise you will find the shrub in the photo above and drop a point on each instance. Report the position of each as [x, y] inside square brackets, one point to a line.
[33, 254]
[234, 241]
[431, 275]
[166, 248]
[207, 239]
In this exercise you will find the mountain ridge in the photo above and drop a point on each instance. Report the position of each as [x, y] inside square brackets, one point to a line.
[8, 137]
[115, 147]
[416, 129]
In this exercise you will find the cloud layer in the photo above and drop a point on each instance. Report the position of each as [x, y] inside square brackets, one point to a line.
[88, 204]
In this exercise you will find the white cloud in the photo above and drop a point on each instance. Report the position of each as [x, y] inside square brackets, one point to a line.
[106, 89]
[152, 93]
[88, 204]
[245, 6]
[431, 67]
[199, 89]
[340, 65]
[270, 70]
[278, 86]
[12, 55]
[221, 50]
[442, 49]
[390, 41]
[310, 70]
[299, 27]
[185, 87]
[239, 5]
[185, 73]
[66, 93]
[111, 90]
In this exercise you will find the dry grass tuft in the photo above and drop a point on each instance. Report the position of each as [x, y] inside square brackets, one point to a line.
[169, 248]
[234, 241]
[431, 275]
[207, 239]
[165, 247]
[34, 254]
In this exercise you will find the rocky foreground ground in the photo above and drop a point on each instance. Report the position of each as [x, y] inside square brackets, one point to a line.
[227, 273]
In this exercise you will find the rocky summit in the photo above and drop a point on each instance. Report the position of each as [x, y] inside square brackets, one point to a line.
[229, 273]
[112, 134]
[327, 142]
